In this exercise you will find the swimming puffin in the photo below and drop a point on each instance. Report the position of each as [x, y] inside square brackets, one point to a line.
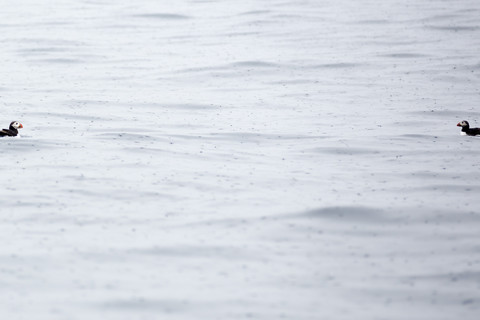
[466, 128]
[12, 130]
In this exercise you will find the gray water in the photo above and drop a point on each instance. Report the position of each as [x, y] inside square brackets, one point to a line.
[254, 160]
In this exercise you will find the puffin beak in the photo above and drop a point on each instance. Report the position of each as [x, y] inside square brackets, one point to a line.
[459, 125]
[21, 126]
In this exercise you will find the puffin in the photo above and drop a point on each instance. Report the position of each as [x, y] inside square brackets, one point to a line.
[466, 128]
[12, 131]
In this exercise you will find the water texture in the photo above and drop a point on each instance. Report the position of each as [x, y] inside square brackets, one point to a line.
[240, 160]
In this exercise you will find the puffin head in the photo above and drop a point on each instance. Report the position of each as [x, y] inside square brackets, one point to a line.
[463, 124]
[16, 125]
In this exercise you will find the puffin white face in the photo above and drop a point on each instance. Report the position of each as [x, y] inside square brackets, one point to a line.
[463, 124]
[16, 125]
